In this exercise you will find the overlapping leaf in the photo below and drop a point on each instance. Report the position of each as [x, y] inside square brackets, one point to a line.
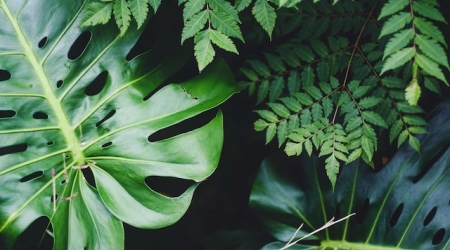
[287, 194]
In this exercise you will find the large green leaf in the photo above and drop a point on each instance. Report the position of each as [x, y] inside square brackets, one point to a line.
[404, 205]
[94, 110]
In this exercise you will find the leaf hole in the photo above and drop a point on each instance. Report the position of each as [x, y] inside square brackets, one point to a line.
[184, 126]
[97, 85]
[59, 83]
[428, 165]
[17, 148]
[362, 212]
[50, 143]
[430, 216]
[438, 236]
[7, 113]
[79, 46]
[51, 197]
[32, 176]
[144, 44]
[168, 186]
[89, 176]
[29, 239]
[396, 215]
[109, 115]
[40, 115]
[42, 42]
[107, 145]
[4, 75]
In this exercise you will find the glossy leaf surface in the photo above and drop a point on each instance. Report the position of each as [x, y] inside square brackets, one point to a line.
[78, 102]
[402, 206]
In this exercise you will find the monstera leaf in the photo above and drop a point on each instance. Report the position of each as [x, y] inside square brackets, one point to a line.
[405, 205]
[75, 101]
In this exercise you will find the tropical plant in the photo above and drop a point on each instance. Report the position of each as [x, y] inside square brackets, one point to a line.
[79, 111]
[399, 206]
[341, 77]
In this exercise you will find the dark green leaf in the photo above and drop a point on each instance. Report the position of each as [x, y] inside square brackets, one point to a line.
[265, 15]
[104, 130]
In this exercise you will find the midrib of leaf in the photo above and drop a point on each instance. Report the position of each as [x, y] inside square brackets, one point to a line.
[430, 190]
[34, 196]
[322, 205]
[383, 203]
[64, 125]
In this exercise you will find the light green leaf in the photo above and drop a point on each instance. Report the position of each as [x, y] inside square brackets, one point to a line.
[354, 155]
[191, 8]
[368, 147]
[398, 41]
[139, 10]
[270, 133]
[240, 5]
[428, 11]
[332, 168]
[392, 7]
[97, 13]
[414, 120]
[260, 125]
[292, 148]
[304, 98]
[282, 132]
[294, 122]
[414, 143]
[413, 92]
[417, 130]
[203, 49]
[267, 115]
[279, 109]
[122, 15]
[314, 92]
[395, 23]
[265, 15]
[224, 7]
[429, 29]
[154, 4]
[194, 25]
[432, 49]
[430, 67]
[225, 24]
[402, 137]
[398, 59]
[222, 41]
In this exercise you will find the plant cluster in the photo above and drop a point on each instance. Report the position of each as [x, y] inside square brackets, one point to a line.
[343, 72]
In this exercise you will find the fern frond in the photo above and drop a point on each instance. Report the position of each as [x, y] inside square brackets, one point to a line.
[139, 10]
[192, 7]
[122, 15]
[204, 52]
[194, 25]
[265, 15]
[97, 13]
